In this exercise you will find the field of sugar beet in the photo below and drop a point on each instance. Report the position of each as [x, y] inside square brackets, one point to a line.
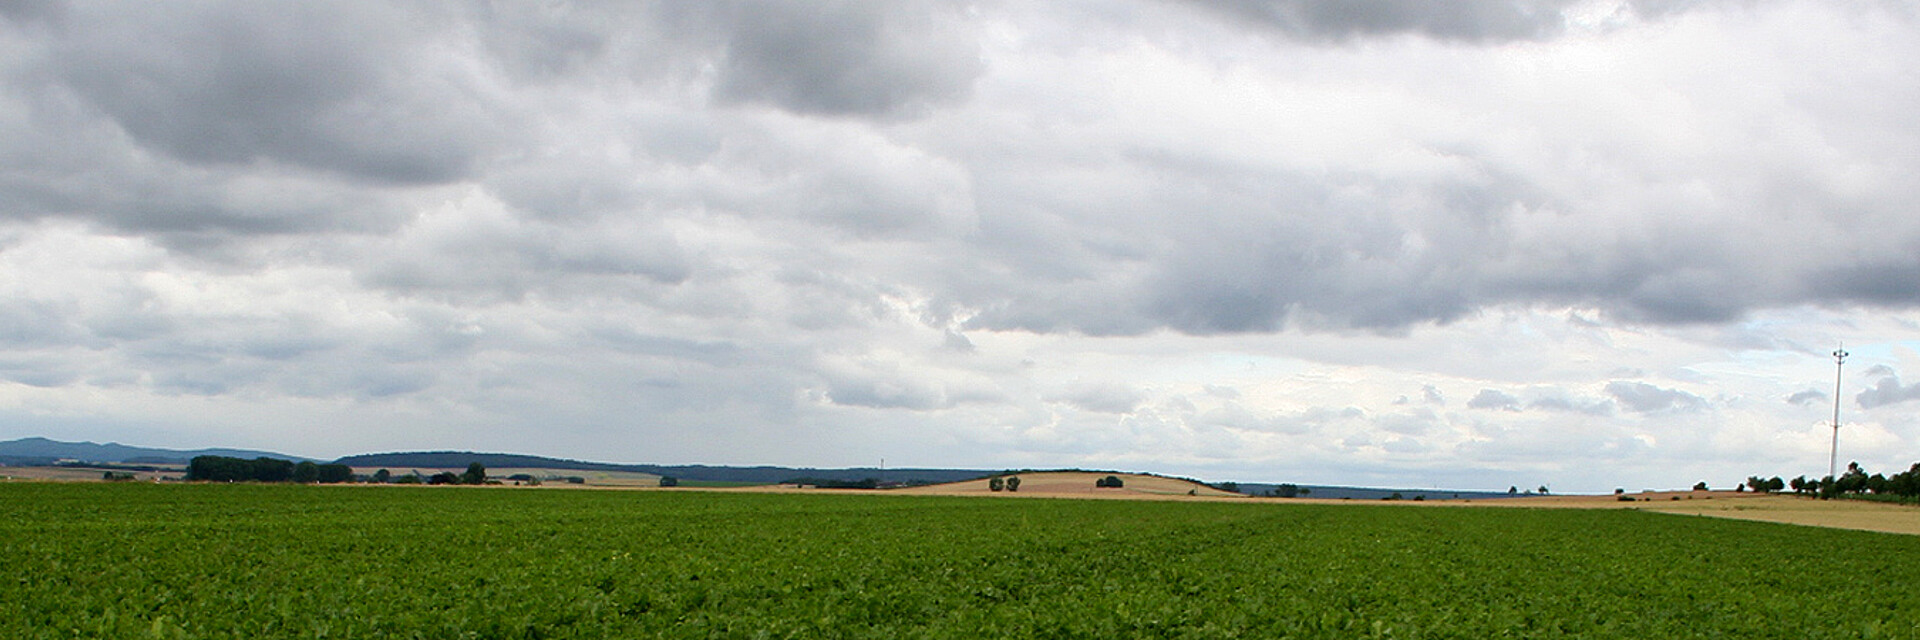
[245, 561]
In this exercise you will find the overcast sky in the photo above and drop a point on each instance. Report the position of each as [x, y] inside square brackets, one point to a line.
[1399, 243]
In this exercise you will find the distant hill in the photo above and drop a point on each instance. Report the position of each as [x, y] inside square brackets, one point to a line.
[703, 473]
[41, 451]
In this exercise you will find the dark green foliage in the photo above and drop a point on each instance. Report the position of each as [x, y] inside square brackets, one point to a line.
[335, 473]
[1109, 482]
[669, 481]
[1899, 487]
[996, 484]
[382, 476]
[225, 469]
[830, 483]
[216, 561]
[1013, 484]
[444, 477]
[1697, 486]
[476, 474]
[306, 472]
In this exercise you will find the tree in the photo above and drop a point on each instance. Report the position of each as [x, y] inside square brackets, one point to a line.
[267, 469]
[1109, 482]
[306, 472]
[335, 473]
[1699, 486]
[1287, 490]
[996, 484]
[476, 474]
[669, 481]
[383, 476]
[1013, 484]
[1513, 491]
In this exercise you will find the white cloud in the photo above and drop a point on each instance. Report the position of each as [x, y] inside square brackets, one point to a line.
[1243, 241]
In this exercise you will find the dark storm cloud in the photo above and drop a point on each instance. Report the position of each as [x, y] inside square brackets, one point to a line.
[1887, 391]
[1640, 397]
[1341, 20]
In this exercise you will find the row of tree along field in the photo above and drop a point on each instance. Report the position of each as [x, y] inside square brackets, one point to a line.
[1855, 483]
[263, 469]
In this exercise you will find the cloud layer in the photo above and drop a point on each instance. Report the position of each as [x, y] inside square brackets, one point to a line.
[1268, 240]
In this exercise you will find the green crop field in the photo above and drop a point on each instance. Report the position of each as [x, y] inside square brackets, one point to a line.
[240, 561]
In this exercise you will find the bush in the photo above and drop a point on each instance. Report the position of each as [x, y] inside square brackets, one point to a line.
[1109, 482]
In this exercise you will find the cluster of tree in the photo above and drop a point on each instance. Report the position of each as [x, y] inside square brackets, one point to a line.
[1854, 482]
[263, 469]
[476, 473]
[1288, 490]
[830, 483]
[1009, 483]
[1109, 482]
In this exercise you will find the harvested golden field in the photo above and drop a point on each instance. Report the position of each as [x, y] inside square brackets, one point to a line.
[1838, 514]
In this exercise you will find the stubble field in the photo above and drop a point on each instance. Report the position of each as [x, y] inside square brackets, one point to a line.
[231, 561]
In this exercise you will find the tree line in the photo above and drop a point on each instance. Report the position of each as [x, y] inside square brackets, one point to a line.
[264, 469]
[1855, 482]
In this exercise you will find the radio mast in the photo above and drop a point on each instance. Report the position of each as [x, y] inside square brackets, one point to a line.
[1833, 458]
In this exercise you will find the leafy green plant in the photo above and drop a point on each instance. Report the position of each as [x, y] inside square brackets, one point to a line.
[133, 560]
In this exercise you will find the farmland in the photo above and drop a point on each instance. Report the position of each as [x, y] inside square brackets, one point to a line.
[230, 561]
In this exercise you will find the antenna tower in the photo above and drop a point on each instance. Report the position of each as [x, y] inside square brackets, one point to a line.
[1833, 458]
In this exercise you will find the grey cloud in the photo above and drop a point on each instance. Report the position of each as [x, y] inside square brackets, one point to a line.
[332, 87]
[1222, 391]
[1887, 391]
[1491, 399]
[1338, 20]
[1233, 415]
[847, 58]
[1589, 407]
[1101, 398]
[1808, 396]
[956, 341]
[1641, 397]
